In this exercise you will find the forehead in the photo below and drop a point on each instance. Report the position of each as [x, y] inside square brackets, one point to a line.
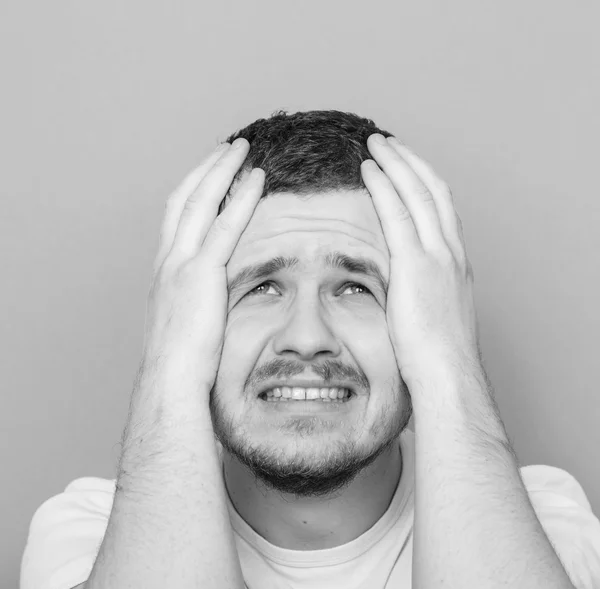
[308, 228]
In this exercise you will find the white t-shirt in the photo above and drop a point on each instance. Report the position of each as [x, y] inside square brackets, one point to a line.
[66, 532]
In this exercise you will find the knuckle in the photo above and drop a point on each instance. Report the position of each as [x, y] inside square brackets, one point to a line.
[443, 187]
[192, 204]
[171, 270]
[419, 189]
[171, 204]
[424, 193]
[402, 214]
[222, 224]
[185, 273]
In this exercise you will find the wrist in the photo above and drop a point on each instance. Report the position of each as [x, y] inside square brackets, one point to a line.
[169, 424]
[451, 371]
[163, 458]
[458, 399]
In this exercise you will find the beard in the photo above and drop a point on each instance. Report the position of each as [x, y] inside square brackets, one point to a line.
[301, 472]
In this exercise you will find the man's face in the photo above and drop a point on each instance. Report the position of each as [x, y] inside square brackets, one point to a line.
[309, 322]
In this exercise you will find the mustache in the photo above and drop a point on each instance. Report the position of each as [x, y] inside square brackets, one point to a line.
[327, 370]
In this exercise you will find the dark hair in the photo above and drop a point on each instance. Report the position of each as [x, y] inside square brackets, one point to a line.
[308, 152]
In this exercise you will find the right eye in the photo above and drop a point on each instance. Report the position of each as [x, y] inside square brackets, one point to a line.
[253, 291]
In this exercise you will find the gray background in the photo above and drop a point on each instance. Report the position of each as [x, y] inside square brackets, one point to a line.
[107, 105]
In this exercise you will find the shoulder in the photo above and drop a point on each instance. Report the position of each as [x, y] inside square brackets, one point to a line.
[542, 481]
[564, 512]
[87, 497]
[65, 534]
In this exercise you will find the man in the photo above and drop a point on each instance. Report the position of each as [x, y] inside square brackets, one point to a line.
[299, 314]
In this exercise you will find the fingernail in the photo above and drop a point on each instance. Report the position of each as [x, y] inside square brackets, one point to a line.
[396, 141]
[238, 143]
[379, 139]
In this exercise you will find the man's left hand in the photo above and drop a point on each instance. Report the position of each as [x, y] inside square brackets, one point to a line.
[430, 312]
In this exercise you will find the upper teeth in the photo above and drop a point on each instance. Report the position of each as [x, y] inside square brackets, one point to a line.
[300, 393]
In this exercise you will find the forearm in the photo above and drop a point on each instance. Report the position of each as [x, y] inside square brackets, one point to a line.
[474, 524]
[169, 525]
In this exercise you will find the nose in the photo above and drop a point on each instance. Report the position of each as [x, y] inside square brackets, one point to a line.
[306, 333]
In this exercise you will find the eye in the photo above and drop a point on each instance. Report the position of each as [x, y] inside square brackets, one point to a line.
[268, 283]
[357, 284]
[254, 292]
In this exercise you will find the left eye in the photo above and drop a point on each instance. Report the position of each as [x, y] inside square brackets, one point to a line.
[356, 284]
[346, 286]
[253, 291]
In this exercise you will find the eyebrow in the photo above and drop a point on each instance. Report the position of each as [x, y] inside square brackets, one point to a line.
[334, 260]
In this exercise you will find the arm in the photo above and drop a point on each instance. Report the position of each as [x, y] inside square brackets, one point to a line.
[474, 524]
[169, 526]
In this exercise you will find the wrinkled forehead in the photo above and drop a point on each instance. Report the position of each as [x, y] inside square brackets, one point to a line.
[310, 229]
[347, 215]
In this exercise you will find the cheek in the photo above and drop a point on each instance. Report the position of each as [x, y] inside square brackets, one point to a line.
[243, 345]
[369, 342]
[244, 335]
[370, 347]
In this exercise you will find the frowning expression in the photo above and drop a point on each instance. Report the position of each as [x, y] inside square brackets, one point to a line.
[307, 300]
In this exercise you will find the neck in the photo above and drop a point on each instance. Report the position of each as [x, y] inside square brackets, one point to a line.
[299, 523]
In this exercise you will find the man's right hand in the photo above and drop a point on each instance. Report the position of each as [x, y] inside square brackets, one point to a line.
[187, 303]
[169, 525]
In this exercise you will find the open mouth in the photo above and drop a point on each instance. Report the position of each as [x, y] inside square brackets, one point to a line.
[307, 395]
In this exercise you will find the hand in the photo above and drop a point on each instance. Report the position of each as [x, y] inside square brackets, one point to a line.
[169, 479]
[187, 304]
[430, 311]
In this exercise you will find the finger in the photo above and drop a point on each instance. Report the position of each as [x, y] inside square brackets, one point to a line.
[176, 202]
[228, 227]
[415, 195]
[396, 221]
[444, 202]
[200, 209]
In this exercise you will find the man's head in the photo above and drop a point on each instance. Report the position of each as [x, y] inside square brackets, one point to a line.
[318, 316]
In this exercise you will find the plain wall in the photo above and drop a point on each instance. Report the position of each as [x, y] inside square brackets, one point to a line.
[107, 105]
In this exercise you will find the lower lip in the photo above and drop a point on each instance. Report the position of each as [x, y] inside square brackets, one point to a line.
[309, 406]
